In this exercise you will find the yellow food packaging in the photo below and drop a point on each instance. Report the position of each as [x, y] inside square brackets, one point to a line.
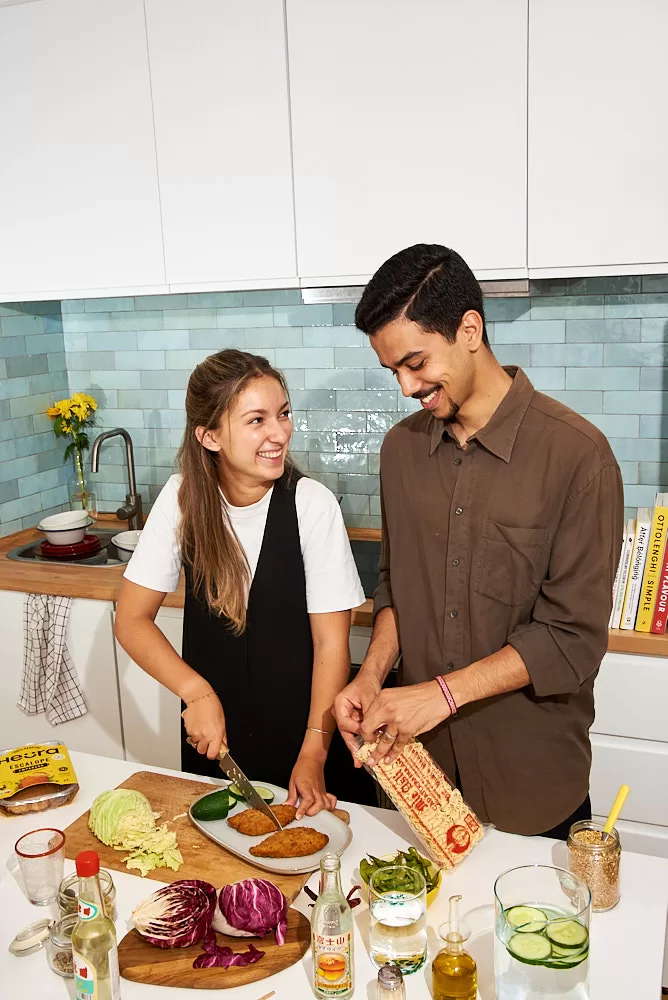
[35, 777]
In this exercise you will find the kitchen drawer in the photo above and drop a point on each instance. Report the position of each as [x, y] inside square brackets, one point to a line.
[642, 765]
[631, 695]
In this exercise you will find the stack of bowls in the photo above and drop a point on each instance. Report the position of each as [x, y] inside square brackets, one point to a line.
[67, 528]
[126, 543]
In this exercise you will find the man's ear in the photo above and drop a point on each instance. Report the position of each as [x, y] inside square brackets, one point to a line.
[471, 329]
[206, 439]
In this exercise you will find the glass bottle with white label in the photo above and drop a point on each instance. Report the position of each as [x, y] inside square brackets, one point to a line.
[332, 935]
[94, 949]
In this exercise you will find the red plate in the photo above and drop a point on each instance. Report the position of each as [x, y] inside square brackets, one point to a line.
[89, 545]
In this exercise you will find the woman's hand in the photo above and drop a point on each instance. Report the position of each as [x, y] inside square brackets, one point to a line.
[204, 720]
[307, 785]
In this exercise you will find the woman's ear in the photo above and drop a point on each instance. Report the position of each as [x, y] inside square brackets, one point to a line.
[207, 439]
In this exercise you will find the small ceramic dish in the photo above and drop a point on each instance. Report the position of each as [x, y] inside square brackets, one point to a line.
[126, 543]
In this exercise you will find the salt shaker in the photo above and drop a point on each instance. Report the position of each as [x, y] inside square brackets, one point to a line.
[390, 983]
[594, 857]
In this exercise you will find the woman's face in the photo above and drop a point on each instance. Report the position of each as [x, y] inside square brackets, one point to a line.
[254, 434]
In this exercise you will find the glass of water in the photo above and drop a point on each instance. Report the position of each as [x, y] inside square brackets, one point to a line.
[541, 940]
[41, 855]
[398, 912]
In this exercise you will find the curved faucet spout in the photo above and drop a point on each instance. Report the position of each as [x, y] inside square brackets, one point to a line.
[132, 511]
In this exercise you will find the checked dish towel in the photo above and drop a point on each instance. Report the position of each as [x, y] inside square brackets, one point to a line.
[49, 682]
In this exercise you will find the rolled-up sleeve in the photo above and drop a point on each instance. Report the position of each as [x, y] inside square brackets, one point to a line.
[567, 636]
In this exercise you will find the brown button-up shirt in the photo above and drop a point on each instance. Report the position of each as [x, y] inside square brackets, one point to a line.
[513, 539]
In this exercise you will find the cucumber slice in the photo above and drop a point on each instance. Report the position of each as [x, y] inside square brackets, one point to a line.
[565, 963]
[567, 934]
[216, 805]
[533, 949]
[567, 953]
[237, 794]
[526, 919]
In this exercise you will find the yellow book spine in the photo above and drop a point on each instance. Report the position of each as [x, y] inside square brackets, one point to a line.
[650, 582]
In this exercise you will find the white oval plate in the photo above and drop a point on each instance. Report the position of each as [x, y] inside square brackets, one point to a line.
[218, 830]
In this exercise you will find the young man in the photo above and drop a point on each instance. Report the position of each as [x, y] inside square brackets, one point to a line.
[502, 522]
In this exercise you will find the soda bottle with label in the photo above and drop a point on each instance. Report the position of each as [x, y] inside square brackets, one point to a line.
[94, 949]
[332, 935]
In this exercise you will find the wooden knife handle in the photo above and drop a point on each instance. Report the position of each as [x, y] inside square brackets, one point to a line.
[342, 814]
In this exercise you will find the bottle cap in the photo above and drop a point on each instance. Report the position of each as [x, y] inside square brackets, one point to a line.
[390, 976]
[88, 863]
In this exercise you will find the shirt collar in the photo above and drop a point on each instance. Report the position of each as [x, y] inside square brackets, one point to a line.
[500, 432]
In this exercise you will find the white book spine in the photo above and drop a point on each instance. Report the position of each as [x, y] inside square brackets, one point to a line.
[624, 565]
[638, 557]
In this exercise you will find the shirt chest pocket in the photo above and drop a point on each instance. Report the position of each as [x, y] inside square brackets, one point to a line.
[510, 563]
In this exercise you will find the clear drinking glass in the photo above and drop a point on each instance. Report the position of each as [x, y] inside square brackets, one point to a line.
[41, 857]
[398, 914]
[541, 940]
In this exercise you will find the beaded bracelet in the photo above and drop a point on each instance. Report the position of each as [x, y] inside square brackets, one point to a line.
[199, 698]
[447, 694]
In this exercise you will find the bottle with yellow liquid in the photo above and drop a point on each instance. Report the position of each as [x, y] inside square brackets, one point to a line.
[94, 948]
[454, 974]
[332, 935]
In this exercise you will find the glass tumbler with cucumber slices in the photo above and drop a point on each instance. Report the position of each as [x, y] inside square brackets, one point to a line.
[541, 940]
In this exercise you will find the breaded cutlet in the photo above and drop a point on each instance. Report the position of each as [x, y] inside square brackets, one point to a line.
[254, 823]
[295, 843]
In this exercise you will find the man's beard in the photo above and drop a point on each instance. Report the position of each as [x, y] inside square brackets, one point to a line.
[452, 413]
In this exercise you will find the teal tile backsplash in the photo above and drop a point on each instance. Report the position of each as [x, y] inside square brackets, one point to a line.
[597, 344]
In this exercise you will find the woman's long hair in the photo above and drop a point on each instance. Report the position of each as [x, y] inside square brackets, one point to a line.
[220, 570]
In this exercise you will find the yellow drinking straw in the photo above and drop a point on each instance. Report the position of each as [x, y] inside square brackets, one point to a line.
[616, 809]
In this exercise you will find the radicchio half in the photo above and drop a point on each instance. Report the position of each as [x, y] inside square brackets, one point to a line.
[251, 908]
[177, 915]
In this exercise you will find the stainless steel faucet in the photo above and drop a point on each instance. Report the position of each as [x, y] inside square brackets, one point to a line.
[131, 510]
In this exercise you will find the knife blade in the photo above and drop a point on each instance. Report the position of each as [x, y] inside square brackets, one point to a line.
[229, 767]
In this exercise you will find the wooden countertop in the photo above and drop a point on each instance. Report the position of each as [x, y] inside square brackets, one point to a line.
[100, 584]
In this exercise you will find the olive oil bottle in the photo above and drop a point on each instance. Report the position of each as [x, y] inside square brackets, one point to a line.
[332, 935]
[94, 948]
[454, 974]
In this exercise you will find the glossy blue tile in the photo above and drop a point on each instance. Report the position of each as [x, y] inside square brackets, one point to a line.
[12, 387]
[316, 315]
[88, 322]
[21, 326]
[186, 360]
[603, 378]
[616, 425]
[257, 340]
[165, 418]
[602, 331]
[311, 441]
[109, 305]
[655, 304]
[515, 354]
[333, 336]
[639, 496]
[87, 360]
[642, 355]
[118, 380]
[356, 357]
[116, 341]
[549, 331]
[12, 347]
[148, 320]
[272, 297]
[142, 399]
[359, 444]
[368, 399]
[213, 300]
[582, 401]
[355, 504]
[569, 355]
[29, 485]
[20, 508]
[212, 341]
[8, 491]
[653, 378]
[655, 283]
[16, 468]
[336, 420]
[331, 462]
[53, 324]
[34, 364]
[305, 357]
[44, 344]
[646, 402]
[314, 399]
[328, 479]
[654, 330]
[627, 449]
[343, 313]
[245, 318]
[136, 360]
[380, 378]
[568, 307]
[54, 382]
[120, 418]
[544, 379]
[380, 423]
[653, 472]
[8, 452]
[334, 378]
[506, 310]
[176, 399]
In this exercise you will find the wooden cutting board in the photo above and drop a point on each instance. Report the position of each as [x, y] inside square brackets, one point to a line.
[202, 858]
[143, 963]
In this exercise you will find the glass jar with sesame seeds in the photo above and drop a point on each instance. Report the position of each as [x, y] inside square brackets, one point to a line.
[594, 856]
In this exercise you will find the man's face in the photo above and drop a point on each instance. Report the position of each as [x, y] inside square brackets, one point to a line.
[427, 366]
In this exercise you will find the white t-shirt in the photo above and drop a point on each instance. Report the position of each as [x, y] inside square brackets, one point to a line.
[332, 581]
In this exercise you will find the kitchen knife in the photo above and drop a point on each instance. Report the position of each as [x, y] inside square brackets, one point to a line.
[237, 776]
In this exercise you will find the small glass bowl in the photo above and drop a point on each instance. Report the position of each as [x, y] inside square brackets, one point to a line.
[59, 946]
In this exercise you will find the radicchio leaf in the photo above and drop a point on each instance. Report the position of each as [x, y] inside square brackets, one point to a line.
[251, 908]
[177, 915]
[225, 957]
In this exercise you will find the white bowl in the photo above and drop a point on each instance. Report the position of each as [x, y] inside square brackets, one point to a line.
[66, 536]
[126, 543]
[68, 519]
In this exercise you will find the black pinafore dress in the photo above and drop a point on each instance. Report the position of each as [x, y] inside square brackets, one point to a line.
[263, 676]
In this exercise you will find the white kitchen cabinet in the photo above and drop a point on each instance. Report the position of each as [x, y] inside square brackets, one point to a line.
[220, 96]
[90, 642]
[78, 183]
[151, 713]
[598, 144]
[408, 126]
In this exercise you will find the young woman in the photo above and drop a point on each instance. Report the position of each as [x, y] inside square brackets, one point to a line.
[270, 581]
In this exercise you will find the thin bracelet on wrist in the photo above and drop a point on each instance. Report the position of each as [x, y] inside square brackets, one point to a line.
[447, 694]
[314, 729]
[199, 698]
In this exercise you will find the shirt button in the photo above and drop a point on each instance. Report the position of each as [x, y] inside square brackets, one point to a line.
[458, 461]
[453, 614]
[459, 510]
[455, 562]
[449, 667]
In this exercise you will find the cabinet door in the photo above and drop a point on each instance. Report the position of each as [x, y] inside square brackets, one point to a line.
[641, 764]
[78, 182]
[641, 718]
[151, 713]
[219, 79]
[90, 641]
[598, 143]
[409, 126]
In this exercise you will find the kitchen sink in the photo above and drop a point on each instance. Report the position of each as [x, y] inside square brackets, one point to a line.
[107, 556]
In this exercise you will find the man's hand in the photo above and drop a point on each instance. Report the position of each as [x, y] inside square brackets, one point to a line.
[402, 713]
[351, 706]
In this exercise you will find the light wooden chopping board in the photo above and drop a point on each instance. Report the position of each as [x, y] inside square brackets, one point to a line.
[202, 858]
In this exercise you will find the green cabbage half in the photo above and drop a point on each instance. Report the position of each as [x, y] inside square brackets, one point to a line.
[121, 818]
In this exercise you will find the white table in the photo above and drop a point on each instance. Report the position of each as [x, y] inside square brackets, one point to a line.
[626, 943]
